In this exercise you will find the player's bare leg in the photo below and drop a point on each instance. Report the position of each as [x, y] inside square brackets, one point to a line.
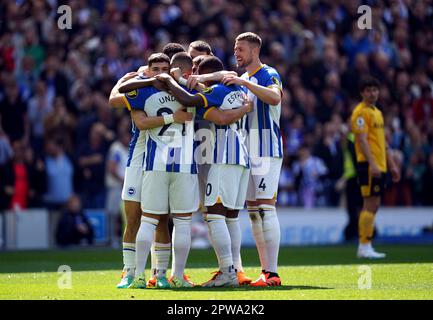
[233, 225]
[366, 228]
[133, 216]
[267, 241]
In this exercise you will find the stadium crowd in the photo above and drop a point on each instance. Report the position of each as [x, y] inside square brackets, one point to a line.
[58, 136]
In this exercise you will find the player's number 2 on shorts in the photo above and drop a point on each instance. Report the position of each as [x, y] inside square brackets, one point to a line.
[262, 184]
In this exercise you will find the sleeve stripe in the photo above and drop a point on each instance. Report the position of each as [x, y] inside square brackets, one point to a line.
[128, 106]
[207, 111]
[204, 99]
[275, 86]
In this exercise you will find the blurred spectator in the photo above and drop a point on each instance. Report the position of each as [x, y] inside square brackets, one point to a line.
[330, 151]
[91, 161]
[427, 183]
[39, 106]
[5, 147]
[422, 108]
[23, 180]
[352, 75]
[308, 171]
[357, 41]
[398, 194]
[31, 45]
[60, 123]
[117, 159]
[414, 173]
[287, 195]
[60, 173]
[54, 78]
[74, 227]
[295, 135]
[13, 112]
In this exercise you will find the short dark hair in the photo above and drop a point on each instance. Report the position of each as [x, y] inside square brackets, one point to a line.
[201, 46]
[210, 64]
[199, 59]
[170, 49]
[157, 57]
[368, 81]
[250, 37]
[182, 60]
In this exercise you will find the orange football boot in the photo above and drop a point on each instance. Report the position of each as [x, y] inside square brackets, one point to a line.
[243, 279]
[265, 280]
[274, 281]
[151, 283]
[260, 282]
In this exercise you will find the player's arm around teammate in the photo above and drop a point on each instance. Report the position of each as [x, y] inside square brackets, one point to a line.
[196, 100]
[269, 95]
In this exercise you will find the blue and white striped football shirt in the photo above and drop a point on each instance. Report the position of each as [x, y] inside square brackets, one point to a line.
[169, 148]
[230, 141]
[263, 123]
[137, 148]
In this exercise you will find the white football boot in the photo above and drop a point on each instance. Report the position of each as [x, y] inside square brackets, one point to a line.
[366, 251]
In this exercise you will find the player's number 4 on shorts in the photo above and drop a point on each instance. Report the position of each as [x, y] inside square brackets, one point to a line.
[262, 184]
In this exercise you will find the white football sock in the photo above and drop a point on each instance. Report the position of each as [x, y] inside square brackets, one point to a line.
[257, 230]
[211, 240]
[221, 239]
[162, 255]
[234, 228]
[153, 259]
[129, 258]
[181, 245]
[271, 235]
[144, 242]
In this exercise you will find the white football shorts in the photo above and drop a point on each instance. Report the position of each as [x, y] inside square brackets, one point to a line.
[264, 178]
[132, 184]
[169, 192]
[227, 184]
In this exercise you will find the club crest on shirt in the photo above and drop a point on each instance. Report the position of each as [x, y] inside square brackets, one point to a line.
[208, 90]
[275, 81]
[132, 94]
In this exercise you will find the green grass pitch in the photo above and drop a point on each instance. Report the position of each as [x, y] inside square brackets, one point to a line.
[328, 272]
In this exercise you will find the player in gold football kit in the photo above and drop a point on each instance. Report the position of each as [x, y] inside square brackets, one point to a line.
[374, 158]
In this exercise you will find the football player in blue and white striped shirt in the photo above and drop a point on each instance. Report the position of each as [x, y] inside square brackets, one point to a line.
[263, 86]
[133, 176]
[170, 182]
